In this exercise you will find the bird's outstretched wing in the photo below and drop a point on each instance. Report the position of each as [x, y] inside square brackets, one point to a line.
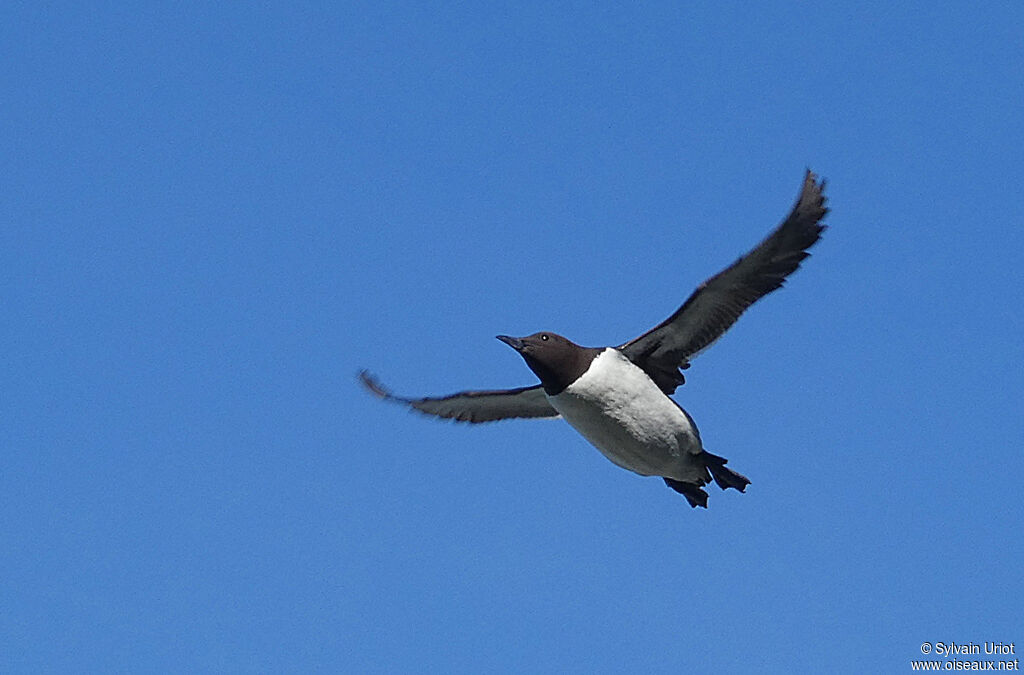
[719, 301]
[473, 406]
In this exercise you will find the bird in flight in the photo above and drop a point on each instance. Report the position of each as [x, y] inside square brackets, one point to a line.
[618, 398]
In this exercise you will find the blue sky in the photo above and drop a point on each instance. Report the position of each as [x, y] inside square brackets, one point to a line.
[214, 215]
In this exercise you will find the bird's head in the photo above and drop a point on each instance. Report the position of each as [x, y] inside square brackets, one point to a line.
[556, 360]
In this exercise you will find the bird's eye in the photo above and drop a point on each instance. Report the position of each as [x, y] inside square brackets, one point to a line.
[544, 337]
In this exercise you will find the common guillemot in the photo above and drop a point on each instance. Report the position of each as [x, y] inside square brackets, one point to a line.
[618, 398]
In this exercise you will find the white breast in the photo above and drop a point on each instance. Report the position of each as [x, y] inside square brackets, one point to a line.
[620, 410]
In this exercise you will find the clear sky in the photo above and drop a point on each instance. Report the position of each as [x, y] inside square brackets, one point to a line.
[214, 215]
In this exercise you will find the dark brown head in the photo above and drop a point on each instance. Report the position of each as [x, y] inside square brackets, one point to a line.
[556, 360]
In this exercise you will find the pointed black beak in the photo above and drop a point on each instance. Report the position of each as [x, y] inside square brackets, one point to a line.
[514, 343]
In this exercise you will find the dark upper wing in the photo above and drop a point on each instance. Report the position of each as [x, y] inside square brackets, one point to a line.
[474, 406]
[719, 301]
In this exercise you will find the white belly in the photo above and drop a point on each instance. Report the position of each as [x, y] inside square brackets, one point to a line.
[620, 410]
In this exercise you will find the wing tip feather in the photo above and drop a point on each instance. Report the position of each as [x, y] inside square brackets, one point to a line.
[373, 385]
